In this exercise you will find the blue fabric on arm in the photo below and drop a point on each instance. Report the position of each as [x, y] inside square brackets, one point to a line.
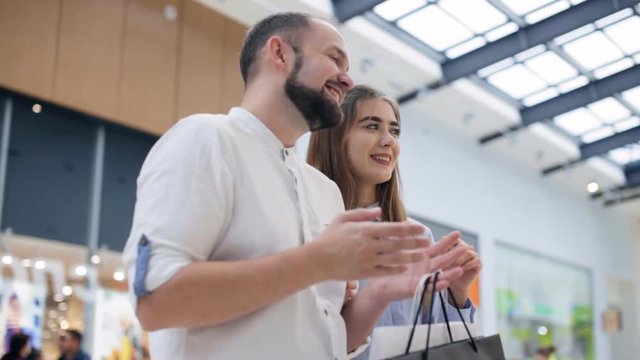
[142, 266]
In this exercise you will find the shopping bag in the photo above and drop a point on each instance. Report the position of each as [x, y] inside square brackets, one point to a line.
[471, 348]
[389, 341]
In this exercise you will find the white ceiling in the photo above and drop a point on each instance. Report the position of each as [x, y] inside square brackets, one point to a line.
[387, 63]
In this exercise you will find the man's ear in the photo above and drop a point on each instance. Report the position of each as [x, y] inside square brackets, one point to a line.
[278, 52]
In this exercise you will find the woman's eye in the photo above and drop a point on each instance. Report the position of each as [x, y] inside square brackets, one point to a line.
[396, 132]
[372, 126]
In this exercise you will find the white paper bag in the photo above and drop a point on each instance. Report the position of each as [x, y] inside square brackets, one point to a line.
[389, 341]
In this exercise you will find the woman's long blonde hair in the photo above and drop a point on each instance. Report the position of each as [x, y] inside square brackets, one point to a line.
[328, 153]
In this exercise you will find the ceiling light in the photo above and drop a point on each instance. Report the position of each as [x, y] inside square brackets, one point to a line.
[36, 108]
[542, 330]
[63, 306]
[26, 263]
[7, 259]
[64, 324]
[58, 297]
[95, 259]
[67, 290]
[40, 264]
[80, 270]
[118, 276]
[592, 187]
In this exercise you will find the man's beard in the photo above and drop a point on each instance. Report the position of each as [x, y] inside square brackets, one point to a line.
[319, 111]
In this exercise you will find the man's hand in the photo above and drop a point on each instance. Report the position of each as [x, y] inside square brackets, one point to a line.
[353, 246]
[436, 257]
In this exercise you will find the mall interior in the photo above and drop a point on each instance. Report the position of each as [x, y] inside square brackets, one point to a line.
[521, 128]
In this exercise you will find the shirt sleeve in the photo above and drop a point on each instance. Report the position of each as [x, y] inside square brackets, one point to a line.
[183, 204]
[467, 310]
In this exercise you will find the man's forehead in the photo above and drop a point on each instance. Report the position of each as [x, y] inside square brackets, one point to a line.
[326, 32]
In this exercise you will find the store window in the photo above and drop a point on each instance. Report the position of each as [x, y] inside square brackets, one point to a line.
[48, 172]
[125, 151]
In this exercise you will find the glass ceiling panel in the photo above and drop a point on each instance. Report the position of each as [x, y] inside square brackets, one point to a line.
[593, 50]
[393, 9]
[540, 96]
[597, 135]
[573, 84]
[625, 155]
[551, 67]
[627, 124]
[611, 44]
[517, 81]
[577, 122]
[429, 25]
[633, 97]
[547, 11]
[625, 34]
[613, 18]
[502, 31]
[609, 110]
[478, 15]
[521, 7]
[612, 68]
[465, 47]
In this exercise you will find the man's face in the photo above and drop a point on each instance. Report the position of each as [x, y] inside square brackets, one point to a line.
[318, 81]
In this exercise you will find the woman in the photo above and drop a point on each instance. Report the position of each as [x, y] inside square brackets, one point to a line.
[361, 156]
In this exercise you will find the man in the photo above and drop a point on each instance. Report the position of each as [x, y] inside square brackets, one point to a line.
[70, 343]
[220, 254]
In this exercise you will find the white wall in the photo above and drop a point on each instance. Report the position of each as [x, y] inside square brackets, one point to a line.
[450, 178]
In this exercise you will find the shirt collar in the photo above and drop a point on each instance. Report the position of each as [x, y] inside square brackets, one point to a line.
[257, 127]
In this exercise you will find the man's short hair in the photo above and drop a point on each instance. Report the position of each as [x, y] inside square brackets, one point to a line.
[288, 25]
[75, 334]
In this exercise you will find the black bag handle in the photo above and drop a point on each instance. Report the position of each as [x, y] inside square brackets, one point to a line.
[455, 304]
[415, 321]
[446, 316]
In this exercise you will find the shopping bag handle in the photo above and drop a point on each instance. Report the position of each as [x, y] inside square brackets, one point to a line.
[455, 304]
[420, 304]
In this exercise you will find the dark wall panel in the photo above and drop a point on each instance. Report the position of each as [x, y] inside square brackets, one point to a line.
[125, 151]
[49, 173]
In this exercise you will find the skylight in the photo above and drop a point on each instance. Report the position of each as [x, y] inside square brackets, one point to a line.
[551, 68]
[524, 7]
[577, 122]
[609, 110]
[390, 10]
[478, 15]
[633, 97]
[625, 155]
[517, 81]
[609, 45]
[593, 50]
[428, 25]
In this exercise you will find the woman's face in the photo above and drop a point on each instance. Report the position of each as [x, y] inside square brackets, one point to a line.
[372, 143]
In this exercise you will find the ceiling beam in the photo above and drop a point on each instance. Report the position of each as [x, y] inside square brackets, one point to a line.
[622, 199]
[594, 91]
[597, 90]
[347, 9]
[600, 147]
[530, 36]
[632, 174]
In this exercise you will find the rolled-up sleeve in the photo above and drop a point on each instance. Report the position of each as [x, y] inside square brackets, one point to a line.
[184, 198]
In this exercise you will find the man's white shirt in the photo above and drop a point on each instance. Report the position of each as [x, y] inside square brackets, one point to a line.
[223, 188]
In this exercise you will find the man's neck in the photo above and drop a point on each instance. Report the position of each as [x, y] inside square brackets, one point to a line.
[277, 114]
